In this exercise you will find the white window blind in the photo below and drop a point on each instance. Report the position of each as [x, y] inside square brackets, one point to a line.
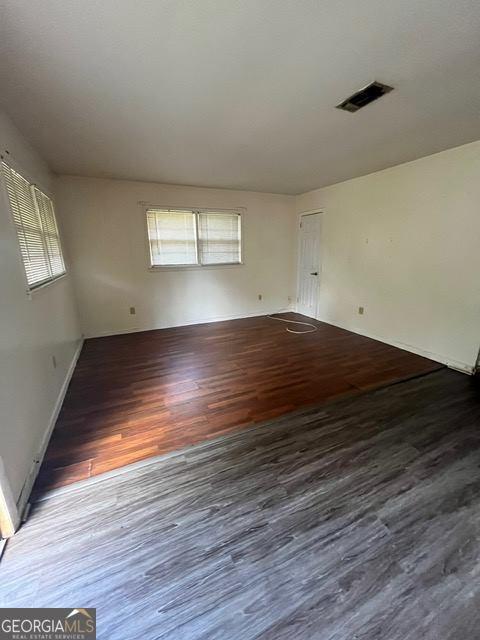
[36, 227]
[172, 236]
[190, 237]
[50, 233]
[219, 238]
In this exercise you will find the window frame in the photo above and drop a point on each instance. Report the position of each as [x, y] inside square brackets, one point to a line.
[10, 162]
[239, 211]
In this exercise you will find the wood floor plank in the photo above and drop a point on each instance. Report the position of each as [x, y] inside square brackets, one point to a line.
[354, 519]
[175, 387]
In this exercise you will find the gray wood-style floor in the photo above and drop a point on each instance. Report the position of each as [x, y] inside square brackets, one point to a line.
[359, 519]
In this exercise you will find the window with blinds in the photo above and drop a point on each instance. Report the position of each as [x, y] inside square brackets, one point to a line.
[189, 237]
[36, 227]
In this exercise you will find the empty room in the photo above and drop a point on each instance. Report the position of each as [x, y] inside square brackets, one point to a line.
[239, 319]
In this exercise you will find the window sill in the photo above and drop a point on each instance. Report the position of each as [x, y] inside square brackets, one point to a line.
[41, 287]
[193, 267]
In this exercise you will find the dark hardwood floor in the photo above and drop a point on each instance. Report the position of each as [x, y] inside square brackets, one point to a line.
[139, 395]
[358, 519]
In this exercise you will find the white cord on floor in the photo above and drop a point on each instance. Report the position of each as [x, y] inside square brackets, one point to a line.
[307, 324]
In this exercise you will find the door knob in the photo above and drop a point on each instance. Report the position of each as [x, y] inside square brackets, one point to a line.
[314, 273]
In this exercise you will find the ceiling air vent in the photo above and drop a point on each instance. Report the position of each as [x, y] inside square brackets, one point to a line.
[361, 98]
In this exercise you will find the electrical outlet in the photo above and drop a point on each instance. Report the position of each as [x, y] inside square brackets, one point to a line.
[260, 296]
[133, 311]
[361, 311]
[54, 362]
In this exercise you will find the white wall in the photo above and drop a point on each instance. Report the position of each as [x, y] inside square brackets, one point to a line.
[32, 330]
[404, 243]
[105, 232]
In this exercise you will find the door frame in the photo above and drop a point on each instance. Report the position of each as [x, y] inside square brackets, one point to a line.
[301, 215]
[9, 515]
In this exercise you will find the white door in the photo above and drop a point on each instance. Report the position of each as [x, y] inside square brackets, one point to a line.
[308, 264]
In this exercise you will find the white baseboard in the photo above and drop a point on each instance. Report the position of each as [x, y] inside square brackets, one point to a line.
[187, 323]
[32, 476]
[463, 367]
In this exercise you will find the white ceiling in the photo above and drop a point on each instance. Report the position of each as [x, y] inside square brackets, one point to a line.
[239, 93]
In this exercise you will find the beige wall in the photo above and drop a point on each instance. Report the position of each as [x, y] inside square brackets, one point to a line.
[32, 330]
[105, 232]
[404, 243]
